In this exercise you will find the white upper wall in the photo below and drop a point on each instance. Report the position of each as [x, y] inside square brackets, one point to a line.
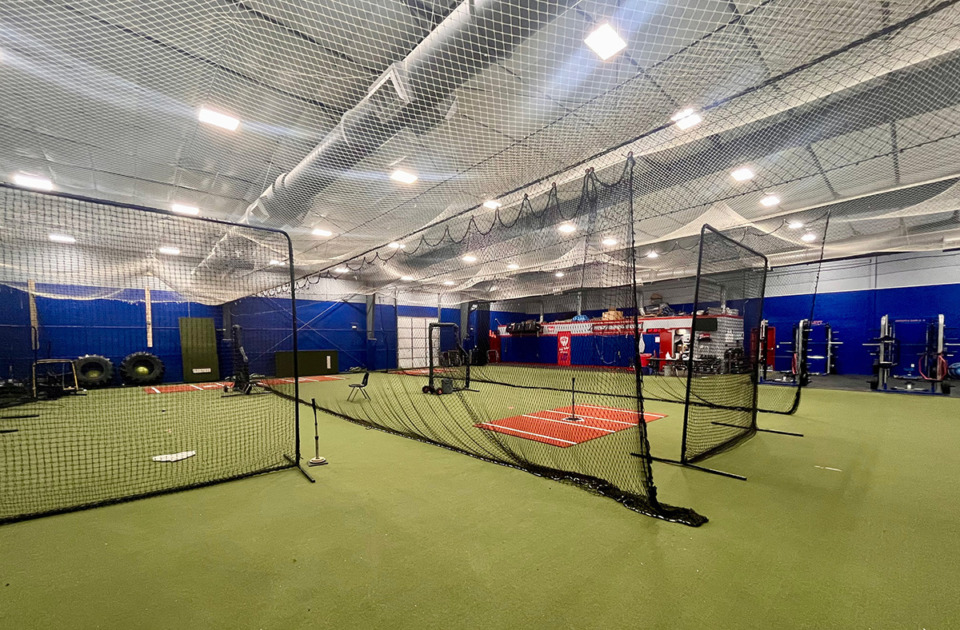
[888, 271]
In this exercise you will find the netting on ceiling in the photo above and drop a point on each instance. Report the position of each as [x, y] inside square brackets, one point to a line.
[61, 247]
[828, 102]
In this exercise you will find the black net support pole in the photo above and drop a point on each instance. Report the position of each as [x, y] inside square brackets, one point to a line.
[295, 460]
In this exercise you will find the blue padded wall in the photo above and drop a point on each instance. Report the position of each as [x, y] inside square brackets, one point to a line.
[382, 351]
[266, 323]
[70, 328]
[16, 355]
[855, 316]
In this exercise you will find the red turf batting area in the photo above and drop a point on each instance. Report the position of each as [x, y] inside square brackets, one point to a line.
[551, 427]
[199, 387]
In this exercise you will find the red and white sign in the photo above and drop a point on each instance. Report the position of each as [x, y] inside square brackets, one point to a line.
[563, 347]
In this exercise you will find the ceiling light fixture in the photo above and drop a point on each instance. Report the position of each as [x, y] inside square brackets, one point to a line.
[470, 258]
[794, 225]
[341, 270]
[690, 121]
[403, 176]
[448, 283]
[567, 228]
[609, 242]
[63, 238]
[770, 201]
[808, 237]
[180, 208]
[491, 204]
[605, 41]
[406, 278]
[275, 262]
[686, 118]
[559, 274]
[218, 120]
[742, 174]
[396, 245]
[653, 255]
[322, 232]
[32, 181]
[513, 266]
[169, 251]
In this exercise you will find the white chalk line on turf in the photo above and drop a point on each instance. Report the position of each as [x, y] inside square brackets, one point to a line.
[548, 437]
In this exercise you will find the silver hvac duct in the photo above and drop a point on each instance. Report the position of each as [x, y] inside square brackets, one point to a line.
[415, 94]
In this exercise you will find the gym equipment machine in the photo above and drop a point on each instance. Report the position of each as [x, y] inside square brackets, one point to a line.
[931, 369]
[798, 373]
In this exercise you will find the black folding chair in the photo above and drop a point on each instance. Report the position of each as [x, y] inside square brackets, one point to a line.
[360, 387]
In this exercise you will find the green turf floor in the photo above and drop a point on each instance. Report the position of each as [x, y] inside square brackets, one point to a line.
[853, 526]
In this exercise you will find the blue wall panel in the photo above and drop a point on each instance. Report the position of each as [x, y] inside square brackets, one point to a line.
[116, 327]
[382, 352]
[16, 354]
[266, 323]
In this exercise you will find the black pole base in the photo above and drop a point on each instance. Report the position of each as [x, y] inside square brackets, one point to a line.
[781, 432]
[676, 462]
[300, 468]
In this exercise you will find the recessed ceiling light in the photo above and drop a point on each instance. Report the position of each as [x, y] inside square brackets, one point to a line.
[396, 245]
[742, 174]
[769, 201]
[609, 242]
[448, 283]
[403, 176]
[491, 204]
[218, 120]
[559, 274]
[275, 262]
[322, 232]
[808, 237]
[567, 228]
[513, 266]
[470, 258]
[683, 113]
[605, 41]
[690, 120]
[341, 270]
[653, 255]
[32, 181]
[406, 278]
[62, 238]
[169, 251]
[180, 208]
[794, 225]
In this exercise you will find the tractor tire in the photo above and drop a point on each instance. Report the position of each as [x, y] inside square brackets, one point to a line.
[94, 370]
[142, 368]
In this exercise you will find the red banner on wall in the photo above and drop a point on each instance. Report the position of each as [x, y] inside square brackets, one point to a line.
[563, 348]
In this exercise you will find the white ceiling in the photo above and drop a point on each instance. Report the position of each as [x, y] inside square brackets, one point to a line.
[101, 97]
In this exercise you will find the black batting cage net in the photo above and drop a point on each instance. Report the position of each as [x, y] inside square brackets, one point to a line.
[505, 385]
[140, 353]
[722, 367]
